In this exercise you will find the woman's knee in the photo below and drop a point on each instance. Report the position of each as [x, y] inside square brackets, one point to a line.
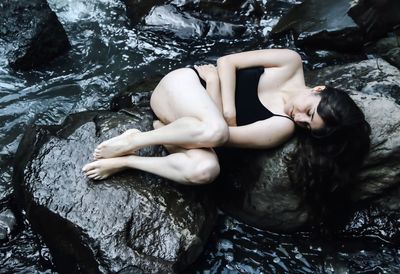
[216, 133]
[204, 171]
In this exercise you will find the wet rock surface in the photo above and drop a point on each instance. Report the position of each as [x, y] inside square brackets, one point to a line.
[388, 49]
[339, 25]
[322, 24]
[376, 18]
[257, 189]
[130, 223]
[30, 33]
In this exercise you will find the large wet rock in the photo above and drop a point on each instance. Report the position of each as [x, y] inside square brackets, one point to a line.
[30, 33]
[133, 222]
[376, 18]
[341, 25]
[188, 19]
[257, 190]
[256, 186]
[388, 49]
[322, 24]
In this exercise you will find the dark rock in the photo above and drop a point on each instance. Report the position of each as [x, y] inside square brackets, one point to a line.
[30, 33]
[132, 222]
[322, 25]
[376, 18]
[258, 190]
[387, 48]
[135, 96]
[374, 76]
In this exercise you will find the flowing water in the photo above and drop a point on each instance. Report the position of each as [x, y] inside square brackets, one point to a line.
[107, 55]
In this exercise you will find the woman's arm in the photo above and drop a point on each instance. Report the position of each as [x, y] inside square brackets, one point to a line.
[209, 74]
[289, 61]
[263, 134]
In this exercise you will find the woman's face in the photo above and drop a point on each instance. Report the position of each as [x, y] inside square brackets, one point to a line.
[303, 109]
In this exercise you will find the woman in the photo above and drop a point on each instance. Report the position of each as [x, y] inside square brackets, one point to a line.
[251, 100]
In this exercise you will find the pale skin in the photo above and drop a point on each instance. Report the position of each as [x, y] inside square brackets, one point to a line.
[193, 120]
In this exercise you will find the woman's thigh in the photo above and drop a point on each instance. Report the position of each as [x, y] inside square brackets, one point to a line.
[180, 94]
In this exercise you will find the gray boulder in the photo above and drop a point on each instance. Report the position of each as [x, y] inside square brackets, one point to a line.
[388, 49]
[30, 34]
[133, 222]
[257, 190]
[256, 186]
[322, 25]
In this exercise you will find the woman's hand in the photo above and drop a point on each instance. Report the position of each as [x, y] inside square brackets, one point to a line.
[208, 73]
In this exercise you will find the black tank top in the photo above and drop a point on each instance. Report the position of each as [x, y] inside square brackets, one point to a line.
[249, 108]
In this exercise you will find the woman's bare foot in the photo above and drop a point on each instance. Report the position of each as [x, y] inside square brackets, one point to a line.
[117, 146]
[104, 168]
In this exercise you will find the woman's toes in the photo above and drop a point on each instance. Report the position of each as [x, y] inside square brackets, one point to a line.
[86, 167]
[92, 176]
[91, 172]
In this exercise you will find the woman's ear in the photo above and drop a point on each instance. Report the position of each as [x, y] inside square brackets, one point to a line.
[318, 89]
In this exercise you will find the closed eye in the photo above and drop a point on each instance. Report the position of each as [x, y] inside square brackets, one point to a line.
[311, 114]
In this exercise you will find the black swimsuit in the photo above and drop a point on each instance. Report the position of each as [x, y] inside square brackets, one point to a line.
[249, 109]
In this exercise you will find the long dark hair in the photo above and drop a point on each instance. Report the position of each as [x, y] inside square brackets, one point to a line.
[326, 160]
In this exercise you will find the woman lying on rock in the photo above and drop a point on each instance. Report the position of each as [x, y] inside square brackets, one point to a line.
[252, 99]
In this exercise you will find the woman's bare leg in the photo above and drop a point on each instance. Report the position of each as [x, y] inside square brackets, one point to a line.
[191, 117]
[194, 166]
[170, 148]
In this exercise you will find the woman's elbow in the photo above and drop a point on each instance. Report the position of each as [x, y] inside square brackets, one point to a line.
[223, 61]
[293, 56]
